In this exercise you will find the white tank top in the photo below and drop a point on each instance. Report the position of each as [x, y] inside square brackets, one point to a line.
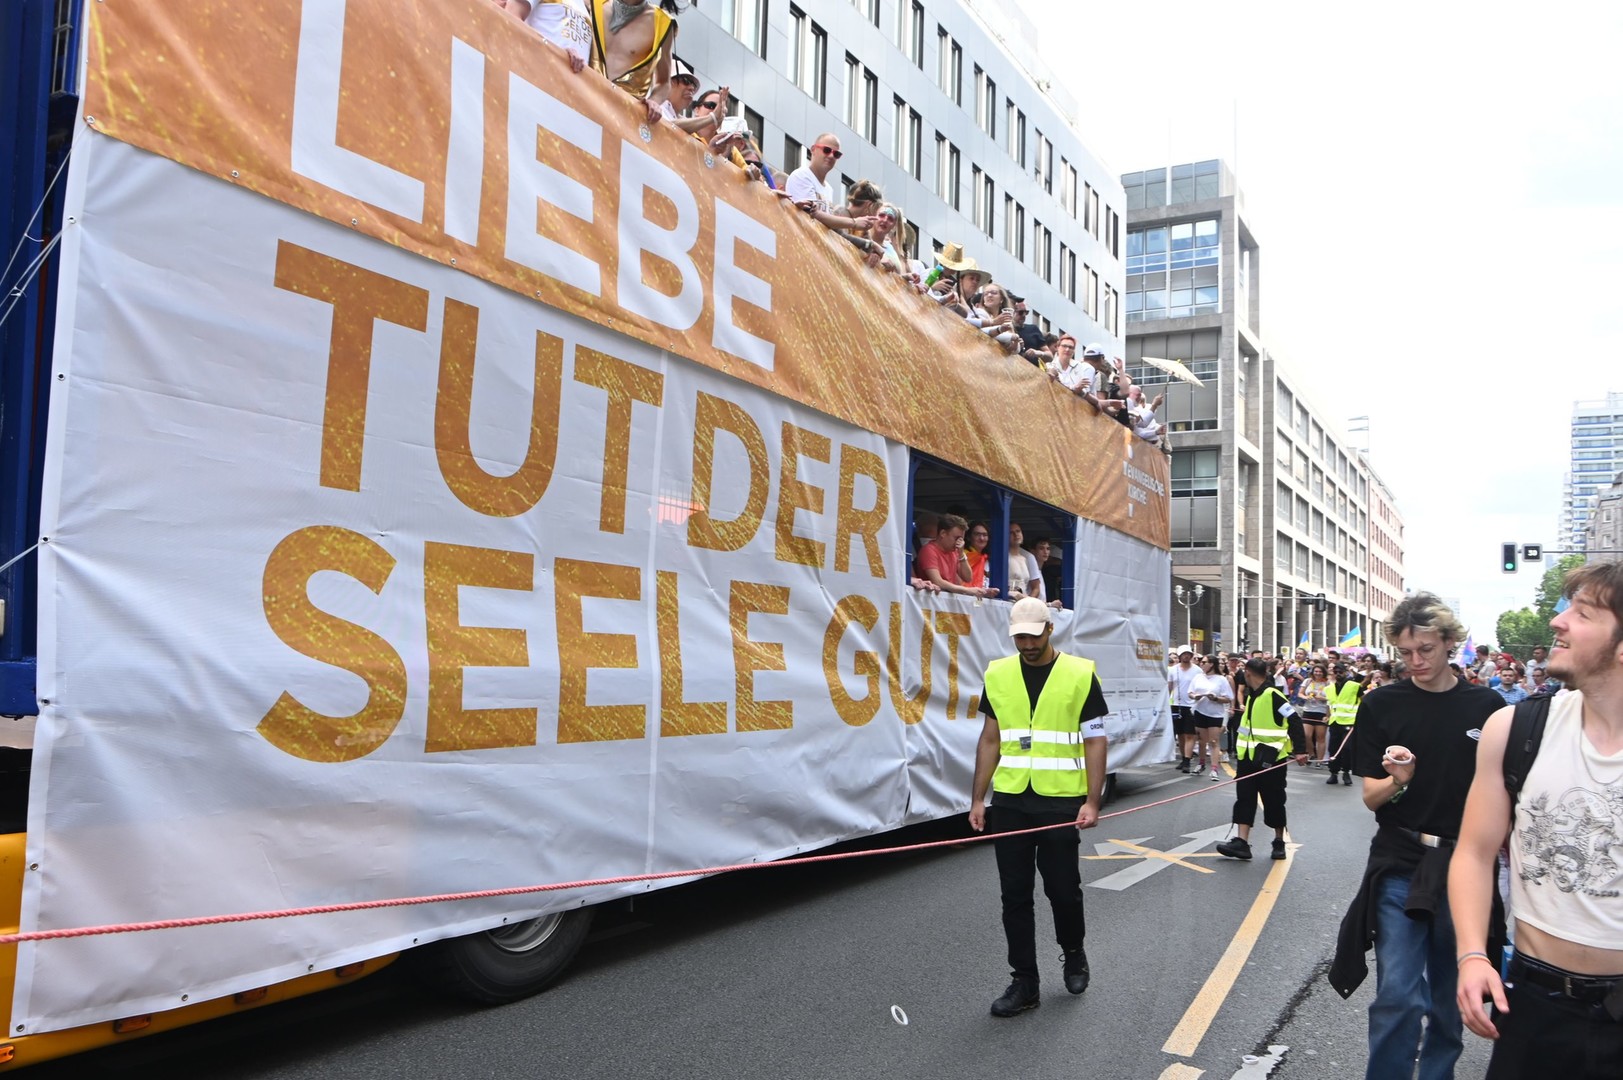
[1566, 854]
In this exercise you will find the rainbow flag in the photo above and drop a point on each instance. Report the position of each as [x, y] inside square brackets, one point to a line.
[1354, 638]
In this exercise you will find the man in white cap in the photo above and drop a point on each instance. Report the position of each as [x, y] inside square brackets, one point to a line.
[1044, 736]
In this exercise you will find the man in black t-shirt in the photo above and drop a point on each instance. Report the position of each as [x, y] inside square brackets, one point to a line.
[1416, 750]
[1042, 750]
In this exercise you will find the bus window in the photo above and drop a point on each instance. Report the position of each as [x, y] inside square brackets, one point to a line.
[1007, 518]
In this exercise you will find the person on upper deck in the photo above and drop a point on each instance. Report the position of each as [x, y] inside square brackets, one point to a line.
[809, 190]
[634, 39]
[565, 23]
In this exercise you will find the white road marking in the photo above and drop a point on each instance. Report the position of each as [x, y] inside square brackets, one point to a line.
[1132, 875]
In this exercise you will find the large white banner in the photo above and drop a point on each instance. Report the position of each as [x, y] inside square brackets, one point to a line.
[368, 579]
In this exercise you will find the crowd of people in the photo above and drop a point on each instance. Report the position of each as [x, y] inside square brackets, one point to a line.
[631, 42]
[952, 555]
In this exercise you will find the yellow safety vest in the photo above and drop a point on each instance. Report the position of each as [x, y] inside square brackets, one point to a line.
[1262, 725]
[1041, 750]
[1344, 702]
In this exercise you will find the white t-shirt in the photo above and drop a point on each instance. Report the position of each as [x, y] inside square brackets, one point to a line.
[803, 186]
[1078, 378]
[1182, 682]
[565, 23]
[1211, 684]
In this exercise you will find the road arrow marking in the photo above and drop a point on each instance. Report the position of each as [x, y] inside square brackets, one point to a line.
[1156, 861]
[1111, 848]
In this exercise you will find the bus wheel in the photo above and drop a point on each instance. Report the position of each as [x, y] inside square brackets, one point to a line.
[1108, 795]
[510, 962]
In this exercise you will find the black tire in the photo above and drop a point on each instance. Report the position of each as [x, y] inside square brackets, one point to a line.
[497, 966]
[1108, 795]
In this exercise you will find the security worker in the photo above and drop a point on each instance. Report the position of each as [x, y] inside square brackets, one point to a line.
[1344, 699]
[1044, 736]
[1267, 735]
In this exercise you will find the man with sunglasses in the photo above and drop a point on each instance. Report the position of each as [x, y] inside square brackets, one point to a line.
[808, 187]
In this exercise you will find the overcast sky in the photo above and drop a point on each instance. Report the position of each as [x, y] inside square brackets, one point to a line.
[1437, 190]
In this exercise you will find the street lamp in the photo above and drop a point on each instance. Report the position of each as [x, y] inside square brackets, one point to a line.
[1188, 598]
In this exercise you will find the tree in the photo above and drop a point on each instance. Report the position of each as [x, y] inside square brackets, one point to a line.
[1549, 587]
[1519, 631]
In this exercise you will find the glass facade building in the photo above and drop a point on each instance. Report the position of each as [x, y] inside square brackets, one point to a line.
[1271, 503]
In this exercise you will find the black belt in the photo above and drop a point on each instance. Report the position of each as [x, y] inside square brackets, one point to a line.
[1576, 987]
[1425, 839]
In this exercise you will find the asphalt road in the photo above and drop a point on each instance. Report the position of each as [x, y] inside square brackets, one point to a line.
[884, 967]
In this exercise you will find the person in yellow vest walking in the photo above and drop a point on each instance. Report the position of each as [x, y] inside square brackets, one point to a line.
[1265, 738]
[1344, 695]
[1043, 738]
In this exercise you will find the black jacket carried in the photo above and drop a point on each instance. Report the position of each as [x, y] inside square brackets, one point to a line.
[1397, 851]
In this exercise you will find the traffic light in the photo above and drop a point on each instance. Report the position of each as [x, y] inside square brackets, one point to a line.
[1319, 603]
[1507, 560]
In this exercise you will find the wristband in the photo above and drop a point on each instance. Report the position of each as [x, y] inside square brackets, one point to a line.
[1397, 792]
[1466, 956]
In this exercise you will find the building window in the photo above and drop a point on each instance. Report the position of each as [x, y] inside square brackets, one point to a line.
[988, 200]
[808, 56]
[853, 92]
[1113, 232]
[1188, 407]
[1194, 473]
[746, 21]
[1112, 311]
[978, 208]
[912, 41]
[1014, 227]
[1194, 522]
[869, 8]
[794, 155]
[948, 175]
[1194, 182]
[1172, 271]
[985, 102]
[1017, 134]
[1090, 294]
[1043, 262]
[1067, 191]
[950, 77]
[1067, 273]
[870, 107]
[1093, 212]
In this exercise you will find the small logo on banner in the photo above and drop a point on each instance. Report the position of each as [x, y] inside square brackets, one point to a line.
[1474, 734]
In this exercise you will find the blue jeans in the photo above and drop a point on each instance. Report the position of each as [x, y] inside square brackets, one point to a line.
[1414, 979]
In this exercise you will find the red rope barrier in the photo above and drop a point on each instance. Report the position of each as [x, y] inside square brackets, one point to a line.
[585, 883]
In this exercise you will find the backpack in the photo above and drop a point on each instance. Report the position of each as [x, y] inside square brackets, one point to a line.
[1526, 732]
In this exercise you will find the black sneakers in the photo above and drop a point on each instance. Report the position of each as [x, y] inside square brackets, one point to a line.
[1346, 779]
[1235, 848]
[1332, 779]
[1279, 850]
[1183, 764]
[1077, 974]
[1019, 997]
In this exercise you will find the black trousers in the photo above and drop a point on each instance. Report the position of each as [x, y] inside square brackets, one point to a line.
[1055, 853]
[1233, 731]
[1253, 784]
[1341, 759]
[1548, 1034]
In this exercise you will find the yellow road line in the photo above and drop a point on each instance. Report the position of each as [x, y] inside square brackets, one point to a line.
[1185, 1038]
[1180, 1071]
[1170, 856]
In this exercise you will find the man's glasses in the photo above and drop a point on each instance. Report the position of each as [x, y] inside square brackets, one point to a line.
[829, 151]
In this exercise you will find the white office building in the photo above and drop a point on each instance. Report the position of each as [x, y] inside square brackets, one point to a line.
[958, 123]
